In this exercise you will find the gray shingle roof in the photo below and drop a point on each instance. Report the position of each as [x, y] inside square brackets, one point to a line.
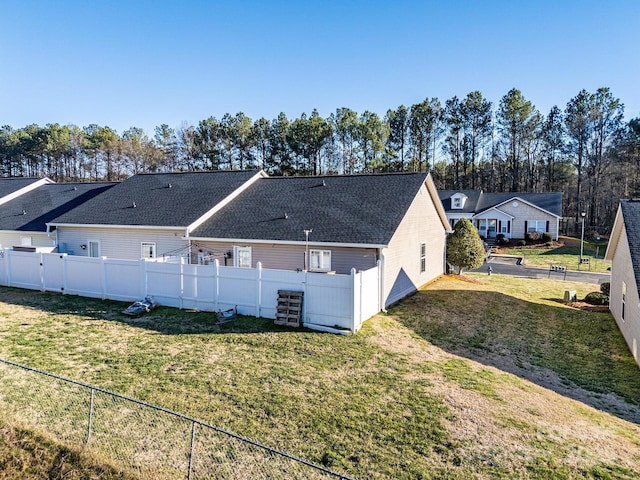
[354, 209]
[160, 199]
[479, 201]
[469, 205]
[11, 185]
[32, 210]
[631, 215]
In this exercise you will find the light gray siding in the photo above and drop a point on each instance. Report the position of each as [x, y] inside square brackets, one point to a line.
[622, 272]
[10, 239]
[122, 243]
[402, 265]
[289, 257]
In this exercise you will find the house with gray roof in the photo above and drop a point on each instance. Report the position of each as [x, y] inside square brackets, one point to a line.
[23, 219]
[148, 215]
[331, 224]
[324, 224]
[510, 214]
[623, 251]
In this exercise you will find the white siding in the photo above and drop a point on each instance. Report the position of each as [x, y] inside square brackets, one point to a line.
[402, 259]
[524, 212]
[622, 271]
[121, 243]
[290, 257]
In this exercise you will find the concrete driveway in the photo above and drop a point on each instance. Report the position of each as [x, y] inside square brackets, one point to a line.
[508, 265]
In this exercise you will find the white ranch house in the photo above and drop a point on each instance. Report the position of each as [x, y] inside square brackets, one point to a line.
[510, 214]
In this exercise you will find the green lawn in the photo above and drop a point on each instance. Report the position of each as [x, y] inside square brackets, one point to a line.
[566, 253]
[460, 380]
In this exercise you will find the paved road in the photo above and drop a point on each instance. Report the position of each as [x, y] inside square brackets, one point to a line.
[510, 266]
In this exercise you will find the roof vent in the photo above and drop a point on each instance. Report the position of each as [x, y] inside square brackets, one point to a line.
[24, 212]
[75, 188]
[285, 215]
[324, 184]
[169, 186]
[134, 205]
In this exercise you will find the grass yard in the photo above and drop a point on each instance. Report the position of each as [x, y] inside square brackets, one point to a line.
[566, 252]
[486, 378]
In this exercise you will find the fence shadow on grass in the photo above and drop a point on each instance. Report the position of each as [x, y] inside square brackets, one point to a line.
[164, 320]
[578, 354]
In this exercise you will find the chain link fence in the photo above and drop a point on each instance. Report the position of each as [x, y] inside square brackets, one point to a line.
[143, 440]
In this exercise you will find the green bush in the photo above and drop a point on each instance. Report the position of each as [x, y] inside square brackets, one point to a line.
[532, 237]
[521, 243]
[605, 287]
[547, 237]
[597, 298]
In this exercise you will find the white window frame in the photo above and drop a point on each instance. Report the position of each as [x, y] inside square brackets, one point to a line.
[423, 257]
[535, 224]
[320, 260]
[146, 252]
[457, 203]
[90, 250]
[624, 299]
[242, 256]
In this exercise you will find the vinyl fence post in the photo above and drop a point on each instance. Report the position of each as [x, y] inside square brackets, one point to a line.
[216, 283]
[193, 441]
[41, 272]
[90, 418]
[259, 289]
[355, 301]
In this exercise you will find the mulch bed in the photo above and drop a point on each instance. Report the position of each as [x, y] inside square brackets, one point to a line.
[589, 307]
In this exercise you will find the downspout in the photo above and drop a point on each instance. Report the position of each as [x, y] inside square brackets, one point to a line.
[381, 272]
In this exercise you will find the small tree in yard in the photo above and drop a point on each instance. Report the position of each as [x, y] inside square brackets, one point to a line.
[464, 247]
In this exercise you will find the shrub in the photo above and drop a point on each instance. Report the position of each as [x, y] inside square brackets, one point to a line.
[500, 236]
[605, 287]
[597, 298]
[532, 237]
[547, 237]
[464, 247]
[521, 243]
[503, 241]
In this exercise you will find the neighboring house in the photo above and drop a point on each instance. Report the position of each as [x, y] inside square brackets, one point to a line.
[23, 220]
[13, 187]
[511, 214]
[332, 224]
[624, 253]
[148, 215]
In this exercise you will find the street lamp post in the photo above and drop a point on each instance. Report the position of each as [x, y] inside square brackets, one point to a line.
[582, 214]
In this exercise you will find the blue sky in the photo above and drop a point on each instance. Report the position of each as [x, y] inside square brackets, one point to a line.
[143, 63]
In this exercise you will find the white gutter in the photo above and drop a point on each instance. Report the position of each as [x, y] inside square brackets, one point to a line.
[101, 225]
[288, 242]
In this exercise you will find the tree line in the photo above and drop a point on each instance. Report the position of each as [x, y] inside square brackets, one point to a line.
[586, 150]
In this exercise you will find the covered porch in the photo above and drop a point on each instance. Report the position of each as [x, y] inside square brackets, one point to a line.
[492, 222]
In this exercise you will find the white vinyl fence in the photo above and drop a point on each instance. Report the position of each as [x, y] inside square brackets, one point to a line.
[342, 301]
